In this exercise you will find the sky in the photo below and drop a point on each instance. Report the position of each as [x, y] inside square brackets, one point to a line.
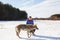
[36, 8]
[22, 3]
[45, 9]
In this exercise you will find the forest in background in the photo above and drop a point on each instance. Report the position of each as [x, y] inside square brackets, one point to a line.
[8, 13]
[52, 17]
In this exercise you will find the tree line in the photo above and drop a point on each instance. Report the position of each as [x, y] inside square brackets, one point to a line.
[8, 12]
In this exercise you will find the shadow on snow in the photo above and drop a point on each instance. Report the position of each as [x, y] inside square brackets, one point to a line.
[42, 38]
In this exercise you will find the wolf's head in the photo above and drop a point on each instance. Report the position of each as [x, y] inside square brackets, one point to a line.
[35, 26]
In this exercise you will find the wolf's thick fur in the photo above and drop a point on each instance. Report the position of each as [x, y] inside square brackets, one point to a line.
[27, 27]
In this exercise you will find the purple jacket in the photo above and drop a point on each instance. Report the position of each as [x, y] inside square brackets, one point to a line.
[30, 22]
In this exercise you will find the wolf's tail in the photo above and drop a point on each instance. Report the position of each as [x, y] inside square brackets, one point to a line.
[17, 32]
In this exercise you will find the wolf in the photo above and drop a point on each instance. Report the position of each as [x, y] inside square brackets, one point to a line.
[26, 27]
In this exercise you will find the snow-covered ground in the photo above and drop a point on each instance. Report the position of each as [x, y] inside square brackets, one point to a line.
[48, 30]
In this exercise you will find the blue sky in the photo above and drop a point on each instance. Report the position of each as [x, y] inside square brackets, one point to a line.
[21, 3]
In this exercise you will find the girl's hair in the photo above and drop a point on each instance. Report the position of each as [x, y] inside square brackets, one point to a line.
[30, 17]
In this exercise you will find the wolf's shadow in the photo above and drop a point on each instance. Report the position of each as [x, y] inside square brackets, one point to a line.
[42, 38]
[32, 38]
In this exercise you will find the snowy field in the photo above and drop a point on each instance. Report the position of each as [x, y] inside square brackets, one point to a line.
[48, 30]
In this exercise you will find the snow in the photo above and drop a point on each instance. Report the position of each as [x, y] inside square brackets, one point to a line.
[48, 30]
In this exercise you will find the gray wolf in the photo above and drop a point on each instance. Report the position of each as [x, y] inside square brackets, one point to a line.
[26, 27]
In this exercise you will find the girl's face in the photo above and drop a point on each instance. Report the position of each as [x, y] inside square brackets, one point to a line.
[30, 18]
